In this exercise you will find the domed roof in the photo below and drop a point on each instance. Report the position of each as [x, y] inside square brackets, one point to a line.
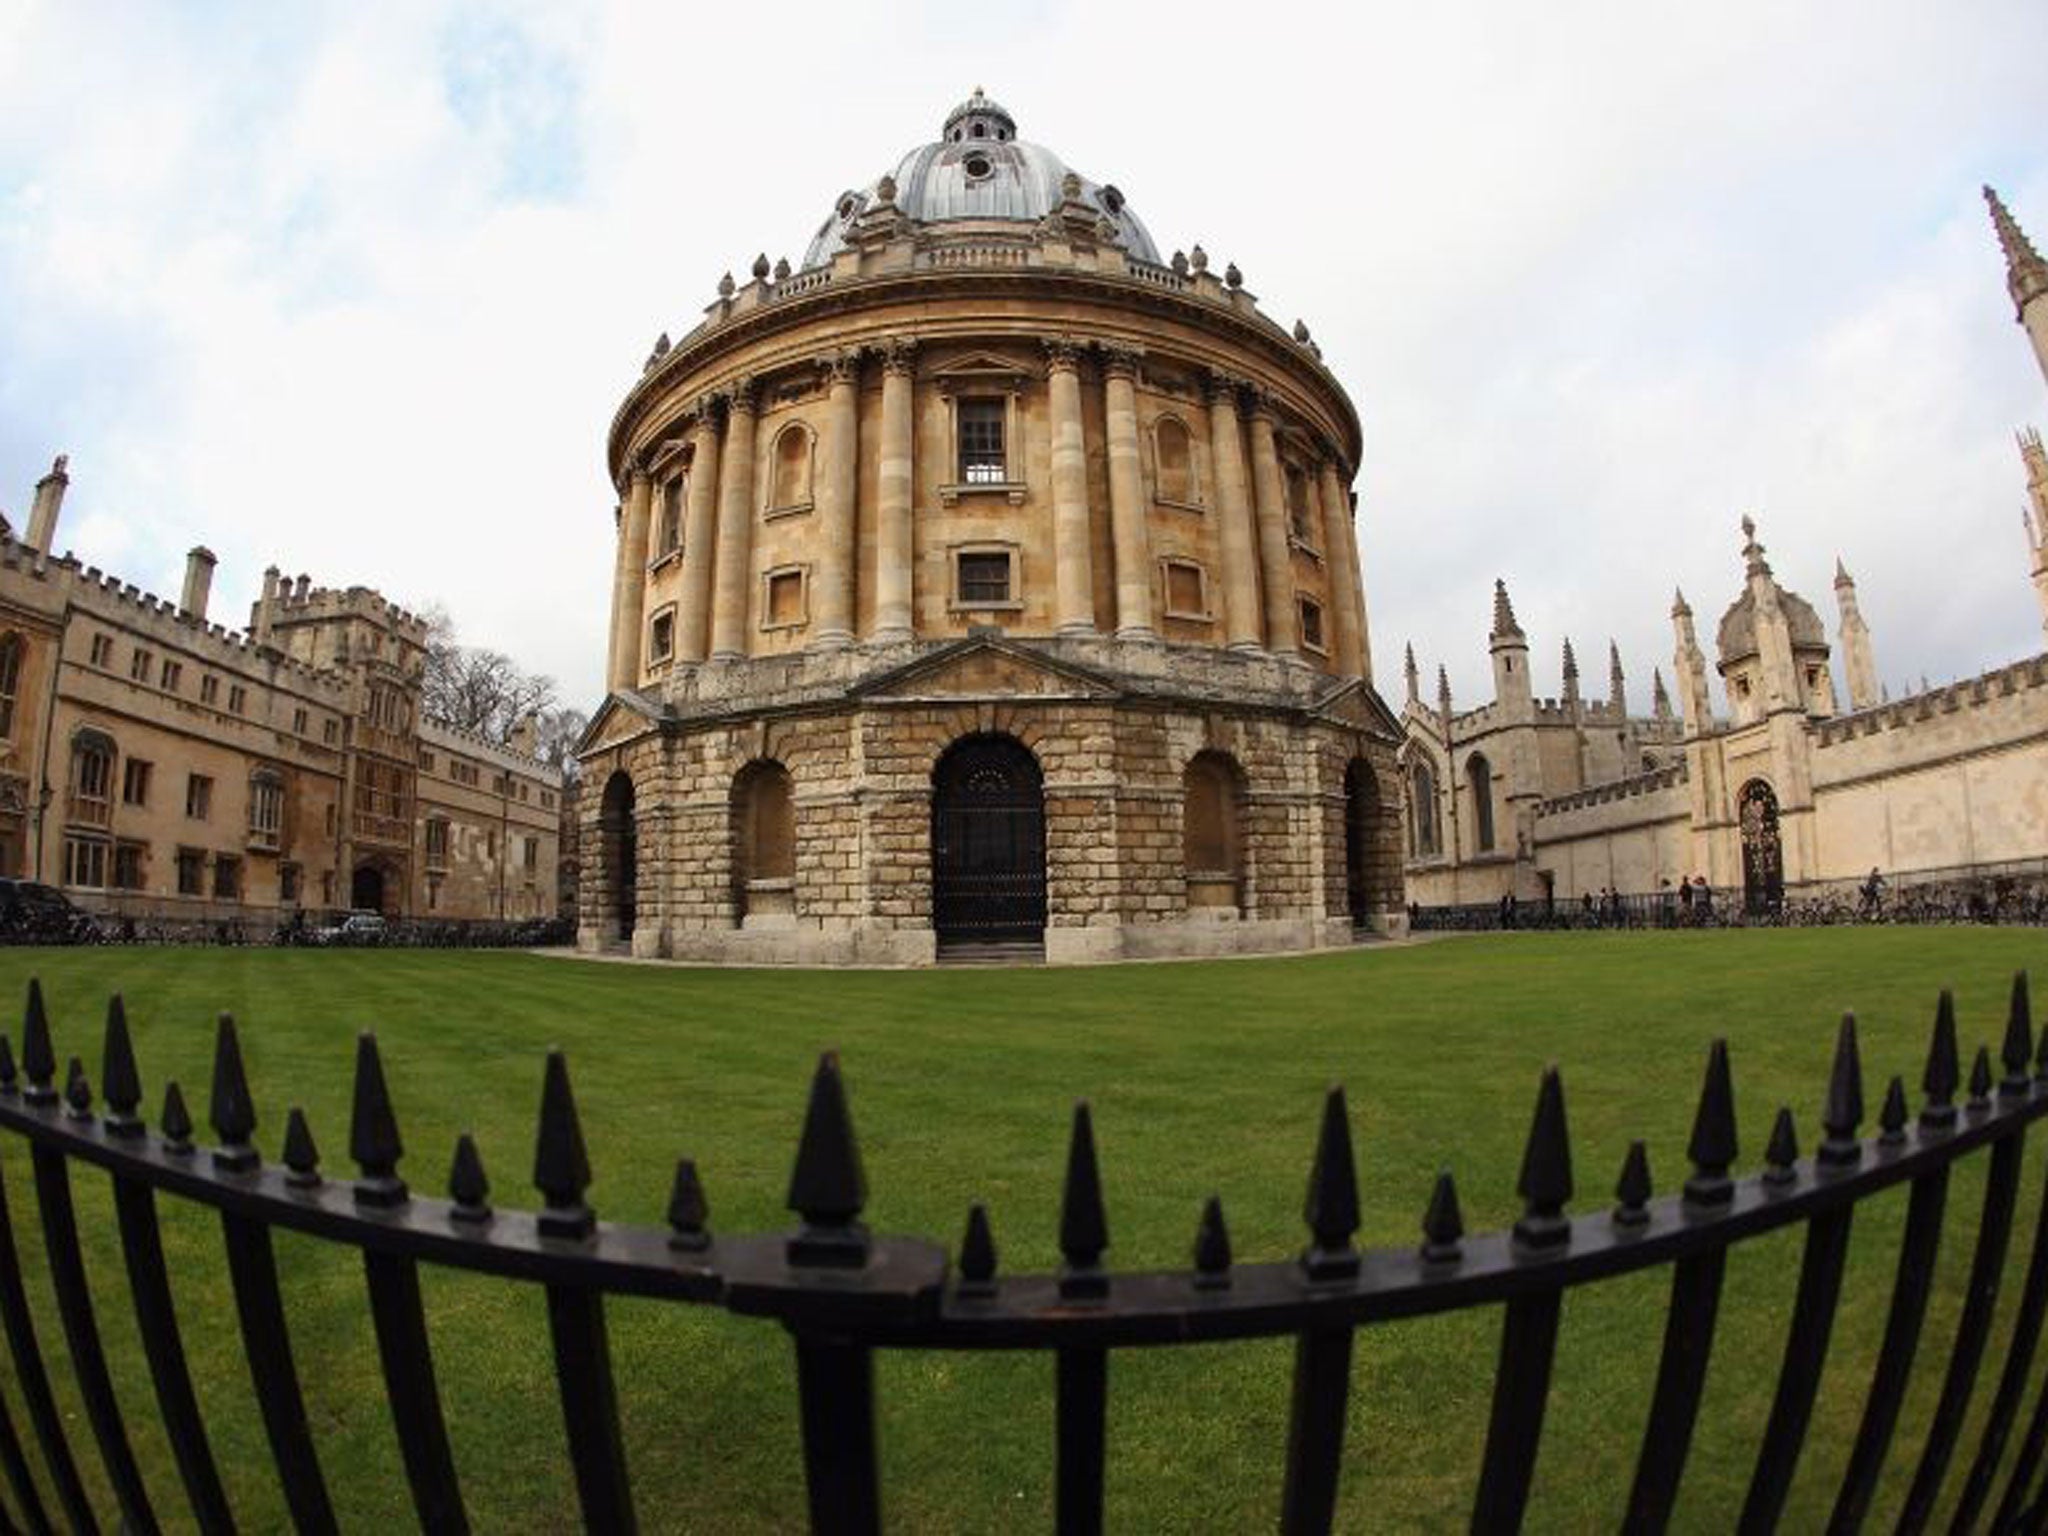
[979, 170]
[1736, 638]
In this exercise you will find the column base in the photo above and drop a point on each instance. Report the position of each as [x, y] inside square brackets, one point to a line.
[894, 634]
[721, 658]
[1078, 630]
[832, 640]
[1247, 647]
[1140, 632]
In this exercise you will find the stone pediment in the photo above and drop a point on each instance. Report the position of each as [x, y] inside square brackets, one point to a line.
[621, 717]
[987, 669]
[979, 370]
[1355, 703]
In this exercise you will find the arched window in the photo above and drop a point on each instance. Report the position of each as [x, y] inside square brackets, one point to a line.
[1480, 772]
[1425, 838]
[10, 679]
[266, 808]
[1174, 455]
[1212, 834]
[669, 538]
[792, 470]
[92, 778]
[764, 840]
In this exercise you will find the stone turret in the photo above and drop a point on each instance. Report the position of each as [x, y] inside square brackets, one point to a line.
[2036, 514]
[42, 517]
[1859, 665]
[1510, 648]
[1690, 665]
[2026, 277]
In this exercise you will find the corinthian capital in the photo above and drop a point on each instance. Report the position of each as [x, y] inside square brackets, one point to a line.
[842, 367]
[1062, 352]
[1220, 389]
[899, 356]
[1119, 362]
[743, 393]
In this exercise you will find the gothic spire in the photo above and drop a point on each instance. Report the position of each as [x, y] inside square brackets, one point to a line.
[1842, 576]
[1660, 701]
[1443, 693]
[2026, 274]
[1414, 677]
[1571, 663]
[1504, 624]
[1617, 693]
[1679, 608]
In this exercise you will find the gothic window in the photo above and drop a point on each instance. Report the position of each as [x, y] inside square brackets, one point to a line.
[437, 842]
[981, 442]
[1425, 836]
[1480, 771]
[1173, 456]
[10, 680]
[791, 490]
[266, 808]
[92, 779]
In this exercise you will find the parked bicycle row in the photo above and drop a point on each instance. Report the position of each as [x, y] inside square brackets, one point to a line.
[1981, 899]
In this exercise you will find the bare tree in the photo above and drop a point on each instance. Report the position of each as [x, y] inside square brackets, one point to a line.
[475, 689]
[559, 731]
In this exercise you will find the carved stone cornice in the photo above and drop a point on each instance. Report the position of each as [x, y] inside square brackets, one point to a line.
[899, 356]
[1119, 362]
[1256, 403]
[743, 394]
[1221, 388]
[1062, 352]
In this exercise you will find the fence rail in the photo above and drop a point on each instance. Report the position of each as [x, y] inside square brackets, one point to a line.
[843, 1292]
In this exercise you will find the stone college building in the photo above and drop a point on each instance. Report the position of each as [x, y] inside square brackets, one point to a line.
[1798, 780]
[162, 768]
[987, 579]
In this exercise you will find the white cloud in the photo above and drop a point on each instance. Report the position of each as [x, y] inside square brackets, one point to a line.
[358, 288]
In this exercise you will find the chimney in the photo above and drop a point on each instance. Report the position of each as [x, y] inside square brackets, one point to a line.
[266, 607]
[42, 519]
[199, 564]
[526, 736]
[300, 587]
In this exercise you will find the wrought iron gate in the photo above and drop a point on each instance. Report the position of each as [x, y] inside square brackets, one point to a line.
[1763, 855]
[988, 842]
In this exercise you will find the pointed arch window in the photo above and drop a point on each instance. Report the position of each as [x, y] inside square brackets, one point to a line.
[1480, 772]
[1425, 832]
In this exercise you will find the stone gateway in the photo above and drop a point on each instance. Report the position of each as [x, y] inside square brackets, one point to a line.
[987, 579]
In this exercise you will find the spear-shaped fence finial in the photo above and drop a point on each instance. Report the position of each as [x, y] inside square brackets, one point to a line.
[1331, 1208]
[827, 1187]
[1632, 1190]
[233, 1112]
[301, 1158]
[1212, 1247]
[1713, 1146]
[176, 1120]
[1843, 1111]
[1546, 1181]
[1084, 1224]
[977, 1254]
[373, 1140]
[2018, 1050]
[38, 1054]
[688, 1211]
[1443, 1224]
[1944, 1073]
[561, 1166]
[120, 1083]
[469, 1189]
[1781, 1156]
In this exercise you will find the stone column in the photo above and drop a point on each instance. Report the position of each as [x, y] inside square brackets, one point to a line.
[1073, 573]
[1276, 562]
[1237, 546]
[1133, 541]
[895, 544]
[629, 604]
[1347, 587]
[735, 528]
[836, 499]
[700, 537]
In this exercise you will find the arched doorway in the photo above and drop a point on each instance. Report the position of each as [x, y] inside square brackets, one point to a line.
[1763, 856]
[618, 857]
[366, 889]
[1361, 827]
[988, 843]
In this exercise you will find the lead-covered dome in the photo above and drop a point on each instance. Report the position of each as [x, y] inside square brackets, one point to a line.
[979, 170]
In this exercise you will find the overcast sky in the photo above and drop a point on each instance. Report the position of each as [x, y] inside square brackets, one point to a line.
[355, 288]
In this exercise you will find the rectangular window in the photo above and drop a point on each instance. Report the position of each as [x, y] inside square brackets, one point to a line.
[298, 722]
[130, 864]
[426, 761]
[85, 862]
[1185, 598]
[785, 600]
[103, 650]
[288, 880]
[191, 872]
[547, 799]
[238, 698]
[661, 636]
[198, 797]
[138, 666]
[1311, 623]
[490, 845]
[532, 853]
[209, 689]
[135, 782]
[437, 844]
[981, 443]
[227, 878]
[330, 730]
[330, 820]
[172, 674]
[985, 576]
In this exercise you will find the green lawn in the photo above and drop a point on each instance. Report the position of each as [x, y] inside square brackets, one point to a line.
[1204, 1077]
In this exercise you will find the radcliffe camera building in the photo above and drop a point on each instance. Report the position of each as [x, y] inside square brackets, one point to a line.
[158, 766]
[987, 577]
[1806, 774]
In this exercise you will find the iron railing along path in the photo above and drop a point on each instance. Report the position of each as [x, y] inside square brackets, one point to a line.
[842, 1292]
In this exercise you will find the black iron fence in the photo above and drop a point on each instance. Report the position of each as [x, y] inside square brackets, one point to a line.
[842, 1292]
